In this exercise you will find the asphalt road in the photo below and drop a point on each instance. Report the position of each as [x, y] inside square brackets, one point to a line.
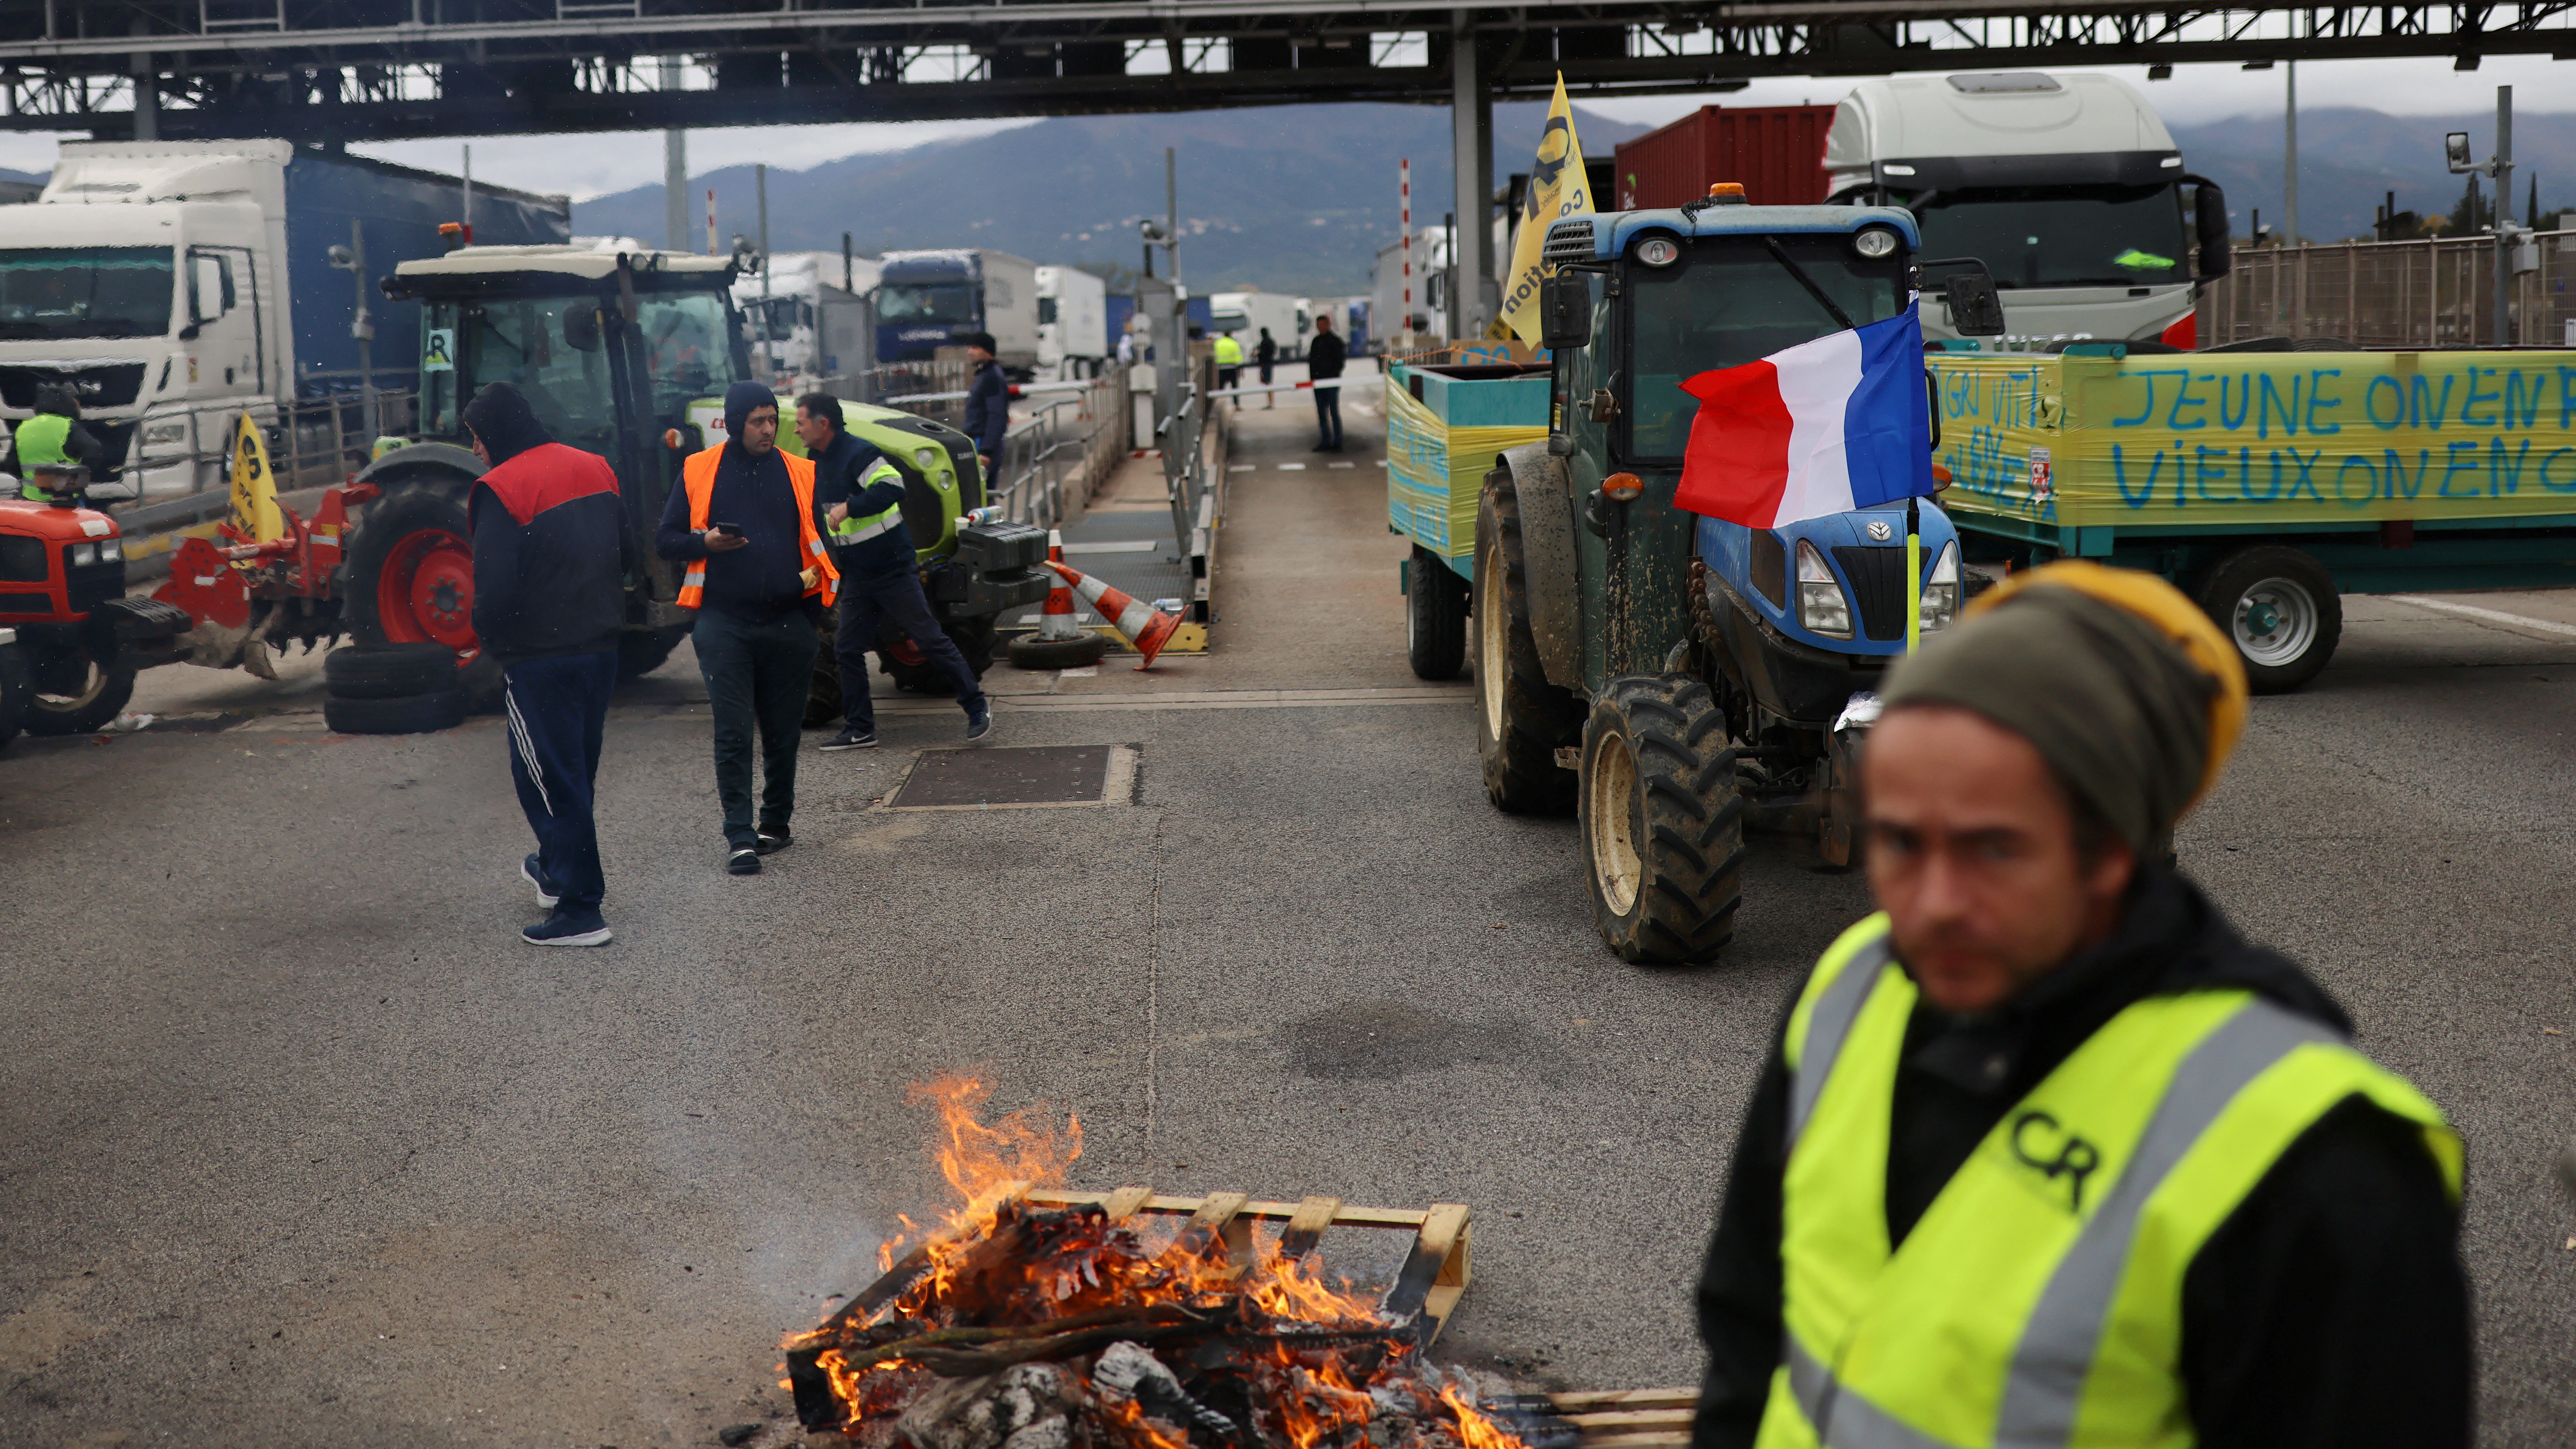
[300, 1146]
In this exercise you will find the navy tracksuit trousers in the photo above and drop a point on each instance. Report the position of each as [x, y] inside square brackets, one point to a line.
[558, 710]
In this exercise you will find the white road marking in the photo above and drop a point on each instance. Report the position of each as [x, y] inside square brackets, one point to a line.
[1239, 468]
[1341, 465]
[1141, 545]
[1292, 467]
[2492, 616]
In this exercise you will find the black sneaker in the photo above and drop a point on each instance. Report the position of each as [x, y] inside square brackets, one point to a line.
[569, 928]
[745, 860]
[852, 740]
[979, 722]
[546, 895]
[774, 841]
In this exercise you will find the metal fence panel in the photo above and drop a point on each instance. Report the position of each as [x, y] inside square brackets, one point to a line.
[2400, 295]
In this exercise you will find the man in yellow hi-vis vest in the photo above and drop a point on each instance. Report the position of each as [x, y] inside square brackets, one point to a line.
[2045, 1153]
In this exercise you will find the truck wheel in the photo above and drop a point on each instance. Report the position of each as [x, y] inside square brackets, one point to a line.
[1435, 617]
[411, 581]
[641, 651]
[389, 671]
[415, 714]
[1663, 829]
[1520, 717]
[2280, 608]
[80, 693]
[17, 693]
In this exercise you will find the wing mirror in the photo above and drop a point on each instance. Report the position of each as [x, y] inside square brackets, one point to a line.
[1565, 312]
[1975, 308]
[2209, 226]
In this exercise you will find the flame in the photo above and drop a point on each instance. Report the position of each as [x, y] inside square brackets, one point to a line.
[1300, 1351]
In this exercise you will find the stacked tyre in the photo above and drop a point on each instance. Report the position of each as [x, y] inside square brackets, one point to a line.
[392, 689]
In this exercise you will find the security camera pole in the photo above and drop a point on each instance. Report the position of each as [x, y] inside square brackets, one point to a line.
[2455, 147]
[353, 260]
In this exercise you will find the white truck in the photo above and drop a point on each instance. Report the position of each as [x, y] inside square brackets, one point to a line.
[172, 285]
[1073, 322]
[2068, 188]
[928, 300]
[1428, 317]
[806, 316]
[1291, 320]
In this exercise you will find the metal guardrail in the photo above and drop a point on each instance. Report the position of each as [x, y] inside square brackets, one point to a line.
[1065, 448]
[2404, 294]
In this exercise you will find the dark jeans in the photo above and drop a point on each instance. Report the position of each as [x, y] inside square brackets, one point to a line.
[757, 674]
[894, 595]
[1328, 412]
[557, 709]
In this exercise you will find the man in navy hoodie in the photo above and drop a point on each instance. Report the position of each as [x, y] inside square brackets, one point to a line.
[551, 554]
[988, 409]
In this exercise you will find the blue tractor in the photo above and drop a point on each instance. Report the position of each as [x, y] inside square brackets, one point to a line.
[1673, 679]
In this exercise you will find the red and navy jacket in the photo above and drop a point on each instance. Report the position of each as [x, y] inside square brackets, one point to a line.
[551, 555]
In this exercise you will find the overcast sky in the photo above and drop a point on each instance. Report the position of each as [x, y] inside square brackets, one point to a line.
[591, 165]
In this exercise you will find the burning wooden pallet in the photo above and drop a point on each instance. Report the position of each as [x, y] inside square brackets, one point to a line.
[1620, 1419]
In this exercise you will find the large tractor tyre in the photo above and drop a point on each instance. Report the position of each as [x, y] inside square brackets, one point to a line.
[2279, 607]
[17, 692]
[1435, 617]
[910, 669]
[388, 671]
[1083, 650]
[1663, 829]
[416, 714]
[823, 705]
[79, 693]
[641, 651]
[411, 581]
[1521, 719]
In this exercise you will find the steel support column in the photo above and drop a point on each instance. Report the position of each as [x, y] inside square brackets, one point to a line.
[1475, 299]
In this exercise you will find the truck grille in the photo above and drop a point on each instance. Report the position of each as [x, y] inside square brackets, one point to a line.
[97, 384]
[1877, 580]
[1569, 240]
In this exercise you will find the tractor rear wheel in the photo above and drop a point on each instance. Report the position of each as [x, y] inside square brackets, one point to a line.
[1520, 717]
[411, 581]
[79, 692]
[641, 651]
[1663, 829]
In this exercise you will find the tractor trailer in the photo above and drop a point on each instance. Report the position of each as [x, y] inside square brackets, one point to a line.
[173, 285]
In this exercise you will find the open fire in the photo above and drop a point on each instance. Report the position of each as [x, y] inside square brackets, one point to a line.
[1033, 1317]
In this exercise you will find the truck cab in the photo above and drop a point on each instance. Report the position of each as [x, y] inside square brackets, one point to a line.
[2068, 187]
[1674, 678]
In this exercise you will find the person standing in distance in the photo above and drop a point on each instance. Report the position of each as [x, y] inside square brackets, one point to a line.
[760, 580]
[1229, 364]
[2045, 1152]
[1324, 365]
[988, 410]
[551, 557]
[1265, 354]
[53, 439]
[860, 498]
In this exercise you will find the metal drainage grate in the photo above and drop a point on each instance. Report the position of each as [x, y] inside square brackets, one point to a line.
[1039, 775]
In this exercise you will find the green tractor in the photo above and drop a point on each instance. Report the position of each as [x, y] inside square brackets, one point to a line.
[628, 355]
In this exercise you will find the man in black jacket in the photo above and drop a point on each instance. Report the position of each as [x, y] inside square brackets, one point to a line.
[1324, 364]
[2049, 1139]
[551, 555]
[858, 505]
[988, 409]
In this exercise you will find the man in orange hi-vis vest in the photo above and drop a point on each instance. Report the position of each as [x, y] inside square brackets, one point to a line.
[760, 578]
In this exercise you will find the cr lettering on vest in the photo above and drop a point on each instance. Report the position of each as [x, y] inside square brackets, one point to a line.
[2036, 1136]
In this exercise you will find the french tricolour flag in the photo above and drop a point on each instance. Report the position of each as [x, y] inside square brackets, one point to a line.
[1823, 427]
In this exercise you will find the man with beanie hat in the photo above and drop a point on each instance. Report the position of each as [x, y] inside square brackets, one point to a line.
[760, 579]
[551, 555]
[2045, 1153]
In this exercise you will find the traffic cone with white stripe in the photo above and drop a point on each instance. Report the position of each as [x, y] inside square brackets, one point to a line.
[1059, 643]
[1145, 628]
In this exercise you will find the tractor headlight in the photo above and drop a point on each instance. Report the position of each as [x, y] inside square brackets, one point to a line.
[1874, 242]
[110, 550]
[82, 555]
[1658, 251]
[1822, 608]
[1941, 590]
[926, 459]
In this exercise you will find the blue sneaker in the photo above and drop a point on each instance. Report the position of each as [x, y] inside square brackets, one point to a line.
[979, 722]
[546, 895]
[568, 928]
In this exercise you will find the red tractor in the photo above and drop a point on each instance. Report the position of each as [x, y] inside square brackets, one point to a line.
[62, 591]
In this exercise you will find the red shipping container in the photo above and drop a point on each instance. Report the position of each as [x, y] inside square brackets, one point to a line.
[1778, 152]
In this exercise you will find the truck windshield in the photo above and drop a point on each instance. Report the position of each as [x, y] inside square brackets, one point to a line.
[925, 302]
[2095, 236]
[85, 291]
[1730, 302]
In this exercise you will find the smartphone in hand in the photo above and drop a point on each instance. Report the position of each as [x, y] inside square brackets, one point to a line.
[730, 530]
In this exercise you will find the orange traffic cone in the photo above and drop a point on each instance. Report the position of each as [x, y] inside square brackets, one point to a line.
[1057, 620]
[1142, 625]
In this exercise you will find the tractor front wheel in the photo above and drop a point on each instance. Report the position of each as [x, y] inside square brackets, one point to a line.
[77, 692]
[411, 581]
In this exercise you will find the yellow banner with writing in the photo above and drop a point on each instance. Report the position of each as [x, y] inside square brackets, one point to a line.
[2269, 438]
[1558, 188]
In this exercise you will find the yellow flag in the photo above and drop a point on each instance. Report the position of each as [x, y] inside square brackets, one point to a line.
[1558, 188]
[254, 490]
